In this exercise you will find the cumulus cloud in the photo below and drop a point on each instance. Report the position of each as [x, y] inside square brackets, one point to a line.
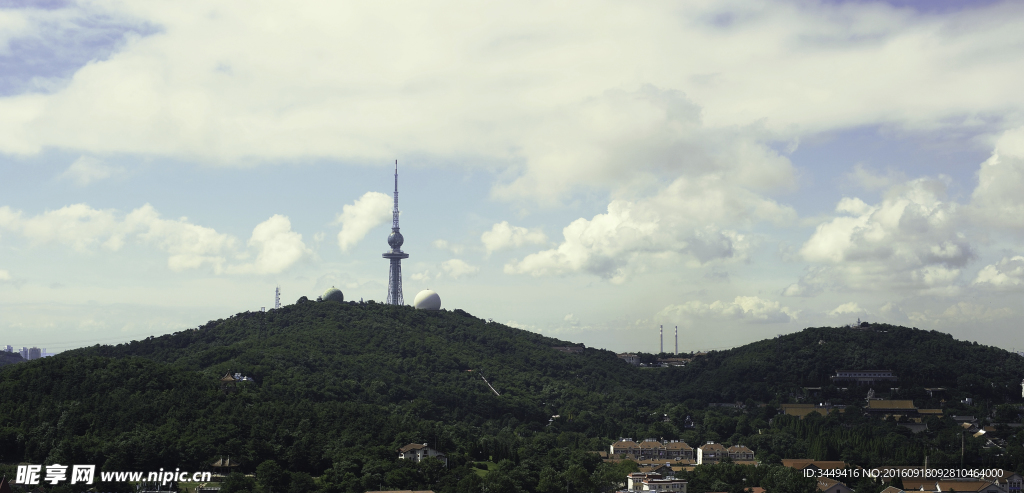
[456, 268]
[1008, 273]
[503, 235]
[4, 275]
[912, 239]
[358, 218]
[79, 226]
[188, 246]
[997, 199]
[688, 218]
[277, 245]
[86, 170]
[195, 90]
[445, 245]
[746, 308]
[846, 309]
[630, 141]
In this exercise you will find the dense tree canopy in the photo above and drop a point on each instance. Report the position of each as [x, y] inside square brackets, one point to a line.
[336, 388]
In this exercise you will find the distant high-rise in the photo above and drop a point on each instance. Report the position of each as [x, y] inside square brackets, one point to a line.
[24, 353]
[277, 297]
[395, 255]
[34, 353]
[9, 348]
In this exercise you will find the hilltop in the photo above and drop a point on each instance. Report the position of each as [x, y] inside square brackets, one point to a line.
[333, 389]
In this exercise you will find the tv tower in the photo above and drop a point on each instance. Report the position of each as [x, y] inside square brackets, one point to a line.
[396, 254]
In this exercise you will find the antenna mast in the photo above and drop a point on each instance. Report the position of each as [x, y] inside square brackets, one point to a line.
[277, 297]
[395, 255]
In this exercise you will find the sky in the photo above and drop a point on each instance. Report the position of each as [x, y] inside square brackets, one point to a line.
[588, 170]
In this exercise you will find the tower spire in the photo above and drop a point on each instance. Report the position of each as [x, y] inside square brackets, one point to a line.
[394, 213]
[395, 255]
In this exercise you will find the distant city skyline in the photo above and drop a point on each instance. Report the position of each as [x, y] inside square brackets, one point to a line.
[588, 171]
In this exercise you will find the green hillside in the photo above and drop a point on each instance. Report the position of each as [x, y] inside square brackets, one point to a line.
[336, 388]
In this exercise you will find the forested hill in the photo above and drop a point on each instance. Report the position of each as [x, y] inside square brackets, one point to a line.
[919, 358]
[376, 353]
[333, 389]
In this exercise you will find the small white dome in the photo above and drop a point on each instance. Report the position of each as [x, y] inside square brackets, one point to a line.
[427, 300]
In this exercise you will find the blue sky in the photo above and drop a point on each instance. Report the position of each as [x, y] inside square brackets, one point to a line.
[587, 170]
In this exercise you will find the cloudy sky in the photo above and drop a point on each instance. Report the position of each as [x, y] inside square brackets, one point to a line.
[589, 169]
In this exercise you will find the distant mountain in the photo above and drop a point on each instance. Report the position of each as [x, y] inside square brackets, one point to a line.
[919, 358]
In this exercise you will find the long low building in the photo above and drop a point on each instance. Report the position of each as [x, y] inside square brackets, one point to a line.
[652, 481]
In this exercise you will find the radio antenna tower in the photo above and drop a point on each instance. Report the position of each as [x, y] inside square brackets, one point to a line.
[661, 339]
[396, 254]
[677, 341]
[277, 297]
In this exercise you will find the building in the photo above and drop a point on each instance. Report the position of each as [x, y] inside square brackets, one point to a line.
[630, 358]
[892, 407]
[802, 410]
[829, 485]
[711, 453]
[569, 349]
[811, 467]
[34, 353]
[417, 452]
[9, 348]
[962, 485]
[652, 481]
[740, 453]
[672, 450]
[395, 255]
[863, 377]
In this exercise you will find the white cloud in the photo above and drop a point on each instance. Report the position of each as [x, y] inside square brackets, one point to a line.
[1008, 273]
[631, 141]
[279, 247]
[421, 276]
[846, 309]
[871, 180]
[997, 199]
[4, 275]
[456, 268]
[358, 218]
[503, 235]
[912, 239]
[86, 170]
[688, 218]
[445, 245]
[317, 88]
[747, 308]
[78, 226]
[963, 312]
[189, 246]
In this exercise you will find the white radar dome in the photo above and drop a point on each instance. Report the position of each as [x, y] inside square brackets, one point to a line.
[333, 294]
[427, 300]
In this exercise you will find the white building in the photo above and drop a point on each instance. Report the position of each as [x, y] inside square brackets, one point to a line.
[417, 452]
[652, 481]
